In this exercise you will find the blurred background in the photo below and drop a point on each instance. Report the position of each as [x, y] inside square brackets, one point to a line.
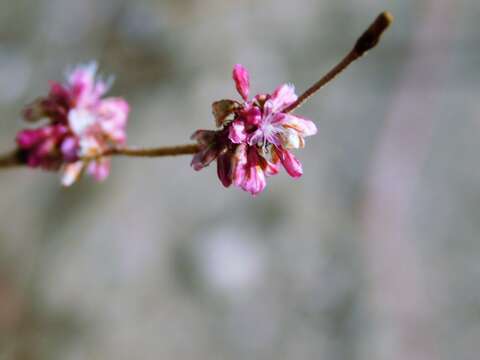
[373, 254]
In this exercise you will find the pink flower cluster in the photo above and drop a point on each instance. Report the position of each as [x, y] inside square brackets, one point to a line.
[80, 125]
[254, 136]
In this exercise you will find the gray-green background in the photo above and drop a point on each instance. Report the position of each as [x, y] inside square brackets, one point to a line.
[373, 254]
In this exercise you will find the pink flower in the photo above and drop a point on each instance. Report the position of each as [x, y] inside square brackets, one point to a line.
[254, 138]
[80, 124]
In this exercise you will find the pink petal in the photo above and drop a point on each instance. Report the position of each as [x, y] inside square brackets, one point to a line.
[46, 148]
[58, 92]
[69, 149]
[253, 178]
[283, 96]
[81, 81]
[290, 163]
[113, 116]
[242, 80]
[255, 181]
[256, 137]
[237, 133]
[99, 169]
[238, 164]
[83, 75]
[271, 169]
[304, 127]
[252, 116]
[85, 89]
[26, 139]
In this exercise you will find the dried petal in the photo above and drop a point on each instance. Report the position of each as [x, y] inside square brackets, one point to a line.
[224, 169]
[223, 109]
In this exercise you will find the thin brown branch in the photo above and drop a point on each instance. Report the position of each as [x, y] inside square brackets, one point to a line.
[153, 152]
[366, 42]
[14, 158]
[11, 159]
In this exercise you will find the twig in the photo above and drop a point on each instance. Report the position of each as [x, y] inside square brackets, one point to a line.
[151, 152]
[12, 159]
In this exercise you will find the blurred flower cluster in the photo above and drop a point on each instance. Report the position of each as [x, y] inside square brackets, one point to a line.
[254, 137]
[80, 125]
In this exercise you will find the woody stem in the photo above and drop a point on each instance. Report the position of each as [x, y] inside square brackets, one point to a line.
[152, 152]
[10, 159]
[14, 158]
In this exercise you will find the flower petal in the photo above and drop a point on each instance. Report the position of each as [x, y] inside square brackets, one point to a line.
[99, 169]
[255, 181]
[224, 169]
[80, 120]
[257, 137]
[269, 168]
[237, 133]
[28, 138]
[304, 127]
[112, 117]
[283, 96]
[203, 158]
[239, 161]
[69, 149]
[71, 172]
[251, 115]
[242, 80]
[291, 139]
[290, 163]
[89, 146]
[222, 109]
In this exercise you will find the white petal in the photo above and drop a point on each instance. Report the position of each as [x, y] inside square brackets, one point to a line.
[291, 139]
[72, 172]
[89, 146]
[80, 120]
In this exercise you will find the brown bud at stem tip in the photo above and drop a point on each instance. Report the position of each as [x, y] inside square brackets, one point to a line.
[371, 37]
